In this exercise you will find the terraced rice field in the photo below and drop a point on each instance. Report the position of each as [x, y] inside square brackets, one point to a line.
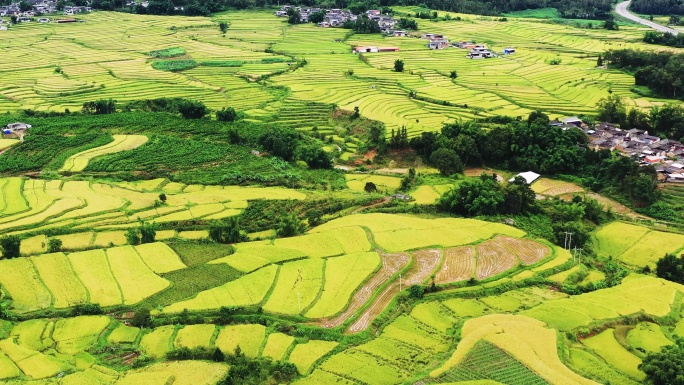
[35, 205]
[119, 66]
[120, 275]
[80, 161]
[636, 245]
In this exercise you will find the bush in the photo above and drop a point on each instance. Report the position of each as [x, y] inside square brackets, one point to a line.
[191, 109]
[133, 237]
[226, 115]
[54, 245]
[10, 246]
[226, 231]
[141, 318]
[289, 226]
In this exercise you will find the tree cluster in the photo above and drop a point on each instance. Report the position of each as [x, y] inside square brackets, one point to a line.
[362, 24]
[666, 38]
[658, 7]
[671, 267]
[486, 196]
[290, 145]
[534, 145]
[406, 23]
[665, 367]
[662, 72]
[99, 107]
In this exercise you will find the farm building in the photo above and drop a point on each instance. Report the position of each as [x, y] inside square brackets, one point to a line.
[509, 51]
[529, 176]
[572, 120]
[399, 33]
[18, 126]
[480, 52]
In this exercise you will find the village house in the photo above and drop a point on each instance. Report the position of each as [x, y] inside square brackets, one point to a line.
[480, 52]
[529, 176]
[372, 49]
[436, 41]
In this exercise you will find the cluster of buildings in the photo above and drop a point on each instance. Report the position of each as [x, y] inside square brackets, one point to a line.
[337, 17]
[666, 155]
[40, 7]
[15, 130]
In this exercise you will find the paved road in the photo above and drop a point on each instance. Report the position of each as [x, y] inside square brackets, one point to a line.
[622, 10]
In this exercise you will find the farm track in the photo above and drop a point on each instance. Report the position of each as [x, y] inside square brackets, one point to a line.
[391, 264]
[425, 263]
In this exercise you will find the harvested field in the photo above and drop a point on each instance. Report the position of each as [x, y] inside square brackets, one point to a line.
[425, 263]
[527, 251]
[493, 258]
[459, 265]
[391, 264]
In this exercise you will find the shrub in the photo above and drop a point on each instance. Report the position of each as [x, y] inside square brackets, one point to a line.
[10, 246]
[54, 245]
[226, 115]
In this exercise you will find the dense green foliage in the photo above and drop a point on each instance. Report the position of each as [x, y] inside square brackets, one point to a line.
[485, 196]
[226, 231]
[174, 65]
[289, 226]
[665, 367]
[362, 25]
[666, 38]
[671, 268]
[41, 150]
[9, 245]
[658, 7]
[534, 145]
[659, 71]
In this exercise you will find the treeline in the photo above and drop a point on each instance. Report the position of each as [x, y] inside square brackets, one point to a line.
[666, 38]
[658, 7]
[662, 72]
[535, 145]
[576, 9]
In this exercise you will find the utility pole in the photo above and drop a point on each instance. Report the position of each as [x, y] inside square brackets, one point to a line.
[568, 244]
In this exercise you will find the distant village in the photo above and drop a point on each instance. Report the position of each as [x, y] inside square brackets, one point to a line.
[335, 18]
[666, 155]
[40, 7]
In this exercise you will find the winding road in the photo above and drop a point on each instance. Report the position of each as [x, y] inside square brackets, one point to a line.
[622, 10]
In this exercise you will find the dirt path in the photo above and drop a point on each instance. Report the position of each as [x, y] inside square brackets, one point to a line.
[391, 264]
[426, 261]
[382, 202]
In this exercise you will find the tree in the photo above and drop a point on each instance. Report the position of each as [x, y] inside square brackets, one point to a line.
[611, 25]
[314, 217]
[192, 109]
[99, 107]
[54, 245]
[148, 231]
[10, 245]
[293, 16]
[280, 142]
[671, 268]
[473, 197]
[133, 237]
[141, 318]
[416, 291]
[317, 17]
[599, 61]
[537, 117]
[370, 187]
[406, 23]
[226, 114]
[218, 355]
[289, 226]
[665, 367]
[225, 231]
[25, 6]
[223, 27]
[162, 198]
[447, 161]
[399, 65]
[453, 75]
[13, 19]
[612, 109]
[315, 157]
[518, 197]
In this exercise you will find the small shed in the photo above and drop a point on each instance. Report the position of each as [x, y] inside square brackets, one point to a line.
[509, 51]
[365, 49]
[529, 176]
